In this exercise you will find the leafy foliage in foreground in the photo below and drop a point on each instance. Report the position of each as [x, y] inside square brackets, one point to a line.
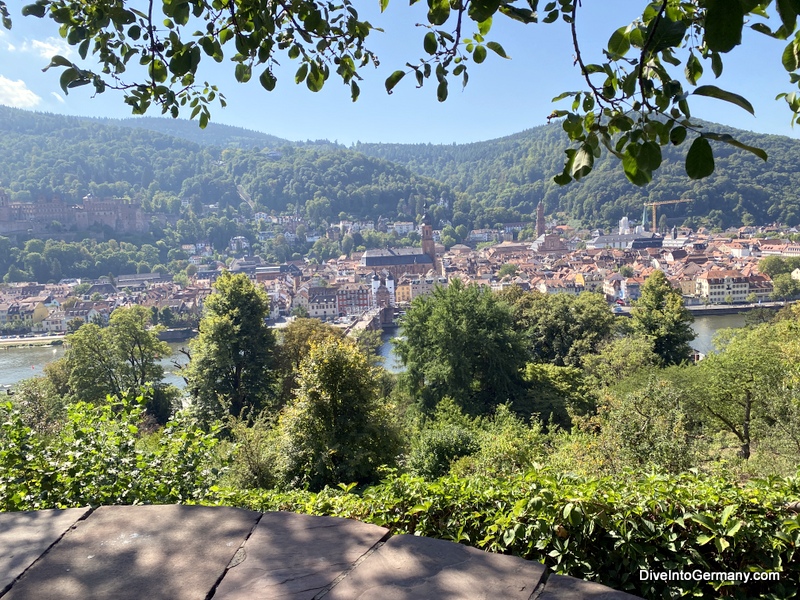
[600, 528]
[98, 457]
[604, 530]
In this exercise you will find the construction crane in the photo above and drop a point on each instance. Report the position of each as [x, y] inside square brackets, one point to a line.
[653, 205]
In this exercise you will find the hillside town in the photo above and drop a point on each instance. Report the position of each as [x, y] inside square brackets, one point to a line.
[708, 268]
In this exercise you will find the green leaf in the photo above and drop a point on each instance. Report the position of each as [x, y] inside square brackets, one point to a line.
[384, 5]
[564, 95]
[649, 158]
[693, 69]
[316, 79]
[439, 11]
[716, 64]
[267, 80]
[729, 139]
[181, 14]
[497, 49]
[551, 17]
[58, 61]
[523, 15]
[724, 23]
[158, 71]
[482, 10]
[668, 34]
[619, 44]
[788, 13]
[242, 72]
[429, 43]
[677, 135]
[699, 164]
[726, 513]
[33, 10]
[713, 91]
[441, 91]
[562, 179]
[301, 73]
[67, 77]
[791, 56]
[704, 538]
[393, 80]
[734, 529]
[630, 165]
[479, 55]
[225, 35]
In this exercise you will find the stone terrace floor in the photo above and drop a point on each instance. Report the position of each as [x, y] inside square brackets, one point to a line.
[197, 552]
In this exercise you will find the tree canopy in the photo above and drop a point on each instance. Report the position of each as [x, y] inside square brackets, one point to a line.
[635, 102]
[230, 370]
[119, 359]
[459, 342]
[338, 427]
[660, 316]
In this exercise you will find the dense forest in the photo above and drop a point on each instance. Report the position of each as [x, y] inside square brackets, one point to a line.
[515, 173]
[45, 154]
[161, 162]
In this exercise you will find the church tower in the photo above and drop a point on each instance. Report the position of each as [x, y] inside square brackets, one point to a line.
[428, 245]
[540, 220]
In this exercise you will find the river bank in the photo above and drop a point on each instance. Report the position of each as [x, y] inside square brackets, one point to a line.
[26, 342]
[28, 360]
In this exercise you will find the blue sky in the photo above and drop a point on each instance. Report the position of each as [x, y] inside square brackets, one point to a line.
[502, 97]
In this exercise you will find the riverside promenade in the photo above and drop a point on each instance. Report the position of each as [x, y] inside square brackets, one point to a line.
[177, 552]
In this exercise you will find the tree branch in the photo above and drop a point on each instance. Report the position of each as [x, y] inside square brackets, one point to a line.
[645, 48]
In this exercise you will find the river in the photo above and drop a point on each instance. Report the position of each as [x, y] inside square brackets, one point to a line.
[17, 364]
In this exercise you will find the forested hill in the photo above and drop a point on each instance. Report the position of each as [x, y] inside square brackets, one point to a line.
[46, 154]
[516, 172]
[214, 134]
[481, 184]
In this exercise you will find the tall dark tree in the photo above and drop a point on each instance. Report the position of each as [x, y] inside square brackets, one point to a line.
[460, 342]
[660, 316]
[561, 329]
[230, 371]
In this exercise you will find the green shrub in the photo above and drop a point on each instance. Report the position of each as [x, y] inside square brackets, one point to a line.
[433, 450]
[99, 457]
[507, 447]
[600, 529]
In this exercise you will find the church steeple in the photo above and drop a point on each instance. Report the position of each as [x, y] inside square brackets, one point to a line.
[428, 245]
[540, 227]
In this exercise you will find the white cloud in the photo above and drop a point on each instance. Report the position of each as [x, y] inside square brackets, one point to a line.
[17, 94]
[58, 97]
[44, 48]
[51, 46]
[4, 42]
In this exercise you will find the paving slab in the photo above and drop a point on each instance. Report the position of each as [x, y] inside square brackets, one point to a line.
[293, 556]
[139, 552]
[416, 568]
[25, 536]
[561, 587]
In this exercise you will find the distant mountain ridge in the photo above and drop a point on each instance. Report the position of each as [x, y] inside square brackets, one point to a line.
[478, 184]
[46, 154]
[215, 134]
[511, 175]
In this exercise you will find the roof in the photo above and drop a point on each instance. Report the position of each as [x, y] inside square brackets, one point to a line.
[394, 256]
